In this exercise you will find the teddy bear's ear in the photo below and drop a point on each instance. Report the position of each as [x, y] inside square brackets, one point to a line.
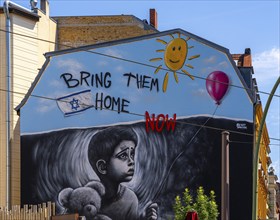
[97, 185]
[64, 196]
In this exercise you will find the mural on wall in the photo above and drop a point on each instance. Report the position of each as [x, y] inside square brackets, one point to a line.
[175, 54]
[116, 138]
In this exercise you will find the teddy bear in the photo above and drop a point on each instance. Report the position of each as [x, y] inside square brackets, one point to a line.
[85, 200]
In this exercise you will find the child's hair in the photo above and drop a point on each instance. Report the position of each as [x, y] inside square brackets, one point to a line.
[104, 142]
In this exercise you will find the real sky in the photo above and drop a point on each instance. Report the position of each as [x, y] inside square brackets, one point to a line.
[235, 25]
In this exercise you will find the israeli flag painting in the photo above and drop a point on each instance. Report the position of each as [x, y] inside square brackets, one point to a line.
[75, 102]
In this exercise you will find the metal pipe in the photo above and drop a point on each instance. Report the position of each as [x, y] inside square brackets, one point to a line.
[225, 177]
[13, 4]
[8, 104]
[256, 155]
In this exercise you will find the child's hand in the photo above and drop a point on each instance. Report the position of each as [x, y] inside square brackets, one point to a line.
[151, 211]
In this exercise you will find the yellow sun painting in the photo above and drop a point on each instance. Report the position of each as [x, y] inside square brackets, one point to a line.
[175, 55]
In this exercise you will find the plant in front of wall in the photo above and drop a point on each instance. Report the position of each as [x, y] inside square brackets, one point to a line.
[201, 204]
[212, 207]
[181, 209]
[206, 207]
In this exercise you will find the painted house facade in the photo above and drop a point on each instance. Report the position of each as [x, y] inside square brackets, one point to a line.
[153, 107]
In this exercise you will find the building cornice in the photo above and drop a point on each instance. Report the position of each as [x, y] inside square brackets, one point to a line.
[18, 11]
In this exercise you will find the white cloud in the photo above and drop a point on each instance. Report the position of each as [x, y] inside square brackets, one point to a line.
[276, 167]
[266, 66]
[223, 64]
[208, 70]
[46, 105]
[113, 52]
[274, 113]
[56, 83]
[102, 63]
[211, 59]
[70, 65]
[119, 69]
[200, 92]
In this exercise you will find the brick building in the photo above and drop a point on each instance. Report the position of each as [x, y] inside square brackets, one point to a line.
[73, 31]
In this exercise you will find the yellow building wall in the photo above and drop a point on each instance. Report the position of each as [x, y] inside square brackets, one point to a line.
[47, 30]
[24, 70]
[263, 166]
[27, 57]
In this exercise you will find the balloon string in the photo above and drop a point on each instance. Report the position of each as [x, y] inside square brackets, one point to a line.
[180, 154]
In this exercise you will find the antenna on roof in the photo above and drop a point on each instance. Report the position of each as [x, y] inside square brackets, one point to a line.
[33, 4]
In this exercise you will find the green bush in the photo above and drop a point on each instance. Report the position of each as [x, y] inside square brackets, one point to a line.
[206, 207]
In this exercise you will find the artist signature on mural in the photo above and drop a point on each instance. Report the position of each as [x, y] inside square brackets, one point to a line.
[242, 126]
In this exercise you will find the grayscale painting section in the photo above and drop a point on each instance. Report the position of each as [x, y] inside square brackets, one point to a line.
[164, 165]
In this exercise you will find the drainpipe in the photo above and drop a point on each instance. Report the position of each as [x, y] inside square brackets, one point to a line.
[8, 105]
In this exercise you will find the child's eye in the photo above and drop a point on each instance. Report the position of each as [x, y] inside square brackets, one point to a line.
[123, 156]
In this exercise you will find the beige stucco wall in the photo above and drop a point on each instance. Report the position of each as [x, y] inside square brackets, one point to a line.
[46, 31]
[27, 58]
[24, 70]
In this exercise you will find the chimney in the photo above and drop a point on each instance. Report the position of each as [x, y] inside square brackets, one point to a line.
[243, 60]
[153, 18]
[44, 6]
[247, 59]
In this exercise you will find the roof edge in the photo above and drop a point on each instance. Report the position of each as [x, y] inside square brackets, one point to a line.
[138, 38]
[17, 9]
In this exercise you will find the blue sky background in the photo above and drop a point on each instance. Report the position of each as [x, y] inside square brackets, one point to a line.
[235, 25]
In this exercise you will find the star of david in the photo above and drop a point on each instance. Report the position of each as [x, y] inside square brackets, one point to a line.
[75, 104]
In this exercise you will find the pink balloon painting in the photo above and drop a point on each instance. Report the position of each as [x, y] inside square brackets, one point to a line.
[217, 84]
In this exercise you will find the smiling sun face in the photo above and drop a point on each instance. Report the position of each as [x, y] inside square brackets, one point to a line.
[175, 55]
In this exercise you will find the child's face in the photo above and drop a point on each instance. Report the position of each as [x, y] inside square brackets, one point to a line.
[121, 164]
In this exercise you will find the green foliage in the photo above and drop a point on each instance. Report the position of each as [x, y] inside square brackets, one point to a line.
[187, 200]
[212, 207]
[201, 204]
[206, 207]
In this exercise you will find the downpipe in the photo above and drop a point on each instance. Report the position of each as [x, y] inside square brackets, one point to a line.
[8, 104]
